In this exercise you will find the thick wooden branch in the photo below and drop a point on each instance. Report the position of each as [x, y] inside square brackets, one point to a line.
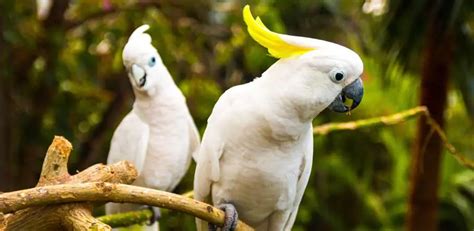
[42, 218]
[54, 169]
[133, 217]
[79, 218]
[120, 172]
[105, 192]
[67, 216]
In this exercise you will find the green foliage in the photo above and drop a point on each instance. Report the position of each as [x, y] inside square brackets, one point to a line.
[75, 81]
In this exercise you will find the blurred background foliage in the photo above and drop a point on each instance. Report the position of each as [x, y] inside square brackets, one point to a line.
[61, 73]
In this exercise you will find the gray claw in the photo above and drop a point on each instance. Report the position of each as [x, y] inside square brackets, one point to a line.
[231, 218]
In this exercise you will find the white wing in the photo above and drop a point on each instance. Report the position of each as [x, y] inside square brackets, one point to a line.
[207, 169]
[303, 180]
[130, 141]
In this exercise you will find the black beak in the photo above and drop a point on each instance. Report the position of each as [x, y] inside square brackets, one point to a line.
[353, 91]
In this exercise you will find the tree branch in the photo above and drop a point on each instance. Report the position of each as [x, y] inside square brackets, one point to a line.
[55, 163]
[133, 217]
[109, 192]
[395, 119]
[67, 216]
[381, 120]
[80, 218]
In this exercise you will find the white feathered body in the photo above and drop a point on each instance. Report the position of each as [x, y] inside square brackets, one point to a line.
[159, 137]
[167, 135]
[257, 150]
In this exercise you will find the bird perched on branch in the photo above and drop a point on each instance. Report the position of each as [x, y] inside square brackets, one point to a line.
[256, 153]
[158, 135]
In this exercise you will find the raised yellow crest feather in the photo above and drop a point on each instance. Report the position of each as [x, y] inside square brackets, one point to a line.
[276, 46]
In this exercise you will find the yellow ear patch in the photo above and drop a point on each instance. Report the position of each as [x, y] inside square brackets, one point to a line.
[276, 46]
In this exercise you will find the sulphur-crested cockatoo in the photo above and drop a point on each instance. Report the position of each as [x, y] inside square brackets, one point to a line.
[256, 152]
[158, 135]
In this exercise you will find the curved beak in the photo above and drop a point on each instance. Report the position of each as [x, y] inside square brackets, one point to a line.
[139, 75]
[353, 91]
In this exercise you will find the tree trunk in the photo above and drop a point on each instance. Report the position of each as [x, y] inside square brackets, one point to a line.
[425, 169]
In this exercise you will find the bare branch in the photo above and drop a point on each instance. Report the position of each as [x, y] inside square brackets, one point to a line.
[66, 216]
[55, 163]
[109, 192]
[395, 119]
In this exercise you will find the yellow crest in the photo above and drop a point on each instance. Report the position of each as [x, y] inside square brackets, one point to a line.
[276, 46]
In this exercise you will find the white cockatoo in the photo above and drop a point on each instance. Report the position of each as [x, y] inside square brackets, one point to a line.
[256, 152]
[158, 135]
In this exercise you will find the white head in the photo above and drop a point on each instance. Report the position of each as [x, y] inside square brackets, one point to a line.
[144, 66]
[319, 73]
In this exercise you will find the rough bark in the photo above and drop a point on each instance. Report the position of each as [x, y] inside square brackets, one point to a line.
[425, 170]
[105, 192]
[67, 216]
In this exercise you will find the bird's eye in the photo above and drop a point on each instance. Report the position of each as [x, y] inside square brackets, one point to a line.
[152, 62]
[337, 75]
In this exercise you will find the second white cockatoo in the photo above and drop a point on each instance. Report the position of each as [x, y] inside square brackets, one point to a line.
[158, 135]
[257, 150]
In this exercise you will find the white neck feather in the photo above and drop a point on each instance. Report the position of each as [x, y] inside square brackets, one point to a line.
[164, 96]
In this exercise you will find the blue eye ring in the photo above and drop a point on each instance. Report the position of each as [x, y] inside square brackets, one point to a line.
[152, 62]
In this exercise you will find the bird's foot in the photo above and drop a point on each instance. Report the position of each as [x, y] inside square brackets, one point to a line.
[230, 220]
[155, 214]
